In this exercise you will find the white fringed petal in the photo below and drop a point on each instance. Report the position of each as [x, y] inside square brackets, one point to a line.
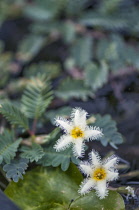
[93, 169]
[86, 186]
[101, 188]
[112, 175]
[95, 158]
[111, 163]
[78, 147]
[64, 124]
[63, 142]
[79, 117]
[86, 168]
[73, 128]
[93, 133]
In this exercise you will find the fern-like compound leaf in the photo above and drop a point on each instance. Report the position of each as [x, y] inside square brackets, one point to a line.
[70, 88]
[14, 115]
[16, 169]
[50, 69]
[111, 135]
[33, 154]
[43, 10]
[37, 96]
[53, 158]
[96, 76]
[81, 51]
[8, 146]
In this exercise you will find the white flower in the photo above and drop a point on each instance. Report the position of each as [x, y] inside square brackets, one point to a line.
[130, 191]
[76, 132]
[98, 174]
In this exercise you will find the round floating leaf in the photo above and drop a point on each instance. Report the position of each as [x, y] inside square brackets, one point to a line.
[50, 188]
[113, 202]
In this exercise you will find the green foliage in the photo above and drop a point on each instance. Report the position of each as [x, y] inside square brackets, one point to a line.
[77, 37]
[50, 69]
[34, 153]
[63, 111]
[8, 146]
[101, 21]
[108, 126]
[36, 97]
[61, 190]
[69, 32]
[16, 169]
[109, 6]
[43, 10]
[17, 86]
[96, 76]
[5, 60]
[70, 88]
[117, 53]
[10, 9]
[108, 50]
[53, 158]
[14, 115]
[30, 46]
[81, 51]
[72, 9]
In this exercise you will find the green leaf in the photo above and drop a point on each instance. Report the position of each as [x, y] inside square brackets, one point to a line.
[38, 14]
[109, 129]
[117, 53]
[112, 50]
[69, 32]
[16, 169]
[5, 62]
[96, 76]
[14, 115]
[8, 146]
[53, 189]
[107, 22]
[113, 202]
[70, 88]
[81, 51]
[109, 6]
[30, 46]
[43, 10]
[50, 69]
[53, 158]
[74, 7]
[63, 112]
[33, 154]
[37, 97]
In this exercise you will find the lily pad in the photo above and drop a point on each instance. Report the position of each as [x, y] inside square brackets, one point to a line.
[51, 188]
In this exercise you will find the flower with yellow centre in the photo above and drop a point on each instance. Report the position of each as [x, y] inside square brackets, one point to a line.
[98, 174]
[76, 132]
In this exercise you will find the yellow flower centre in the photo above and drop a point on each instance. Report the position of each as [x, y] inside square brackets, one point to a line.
[99, 174]
[77, 133]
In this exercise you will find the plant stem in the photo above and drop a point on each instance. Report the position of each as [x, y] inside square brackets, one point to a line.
[73, 200]
[33, 130]
[34, 126]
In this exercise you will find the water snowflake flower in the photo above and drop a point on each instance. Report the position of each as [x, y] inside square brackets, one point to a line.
[98, 174]
[76, 132]
[130, 191]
